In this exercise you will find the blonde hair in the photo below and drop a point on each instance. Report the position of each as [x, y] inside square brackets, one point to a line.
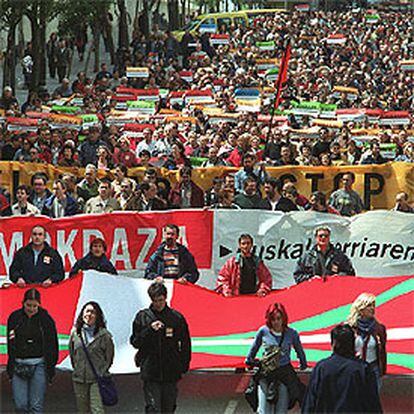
[361, 302]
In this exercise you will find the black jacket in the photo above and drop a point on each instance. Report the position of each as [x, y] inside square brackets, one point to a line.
[334, 262]
[187, 265]
[49, 265]
[165, 354]
[49, 338]
[342, 385]
[284, 204]
[101, 264]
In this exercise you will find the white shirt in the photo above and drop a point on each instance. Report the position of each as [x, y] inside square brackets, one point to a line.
[371, 349]
[143, 145]
[30, 210]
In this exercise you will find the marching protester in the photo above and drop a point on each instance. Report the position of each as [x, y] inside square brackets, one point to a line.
[244, 273]
[32, 349]
[96, 259]
[341, 383]
[91, 351]
[172, 260]
[162, 338]
[323, 260]
[279, 387]
[37, 262]
[371, 335]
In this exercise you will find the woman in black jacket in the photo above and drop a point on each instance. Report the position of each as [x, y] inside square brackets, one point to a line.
[33, 350]
[96, 259]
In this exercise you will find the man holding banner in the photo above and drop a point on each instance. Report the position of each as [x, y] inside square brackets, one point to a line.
[244, 273]
[323, 260]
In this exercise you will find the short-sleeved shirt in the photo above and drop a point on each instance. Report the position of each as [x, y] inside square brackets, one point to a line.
[346, 202]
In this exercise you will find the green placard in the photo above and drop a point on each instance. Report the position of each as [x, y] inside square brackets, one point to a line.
[66, 109]
[140, 104]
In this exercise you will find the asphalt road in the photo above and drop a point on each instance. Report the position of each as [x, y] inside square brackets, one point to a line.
[200, 392]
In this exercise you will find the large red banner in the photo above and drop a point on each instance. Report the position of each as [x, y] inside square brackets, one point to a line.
[131, 237]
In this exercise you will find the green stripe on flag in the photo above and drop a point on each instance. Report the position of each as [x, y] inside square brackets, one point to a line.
[340, 314]
[327, 318]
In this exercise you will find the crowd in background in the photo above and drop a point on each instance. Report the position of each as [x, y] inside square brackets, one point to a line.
[368, 61]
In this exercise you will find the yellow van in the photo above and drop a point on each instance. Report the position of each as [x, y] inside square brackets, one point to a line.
[213, 21]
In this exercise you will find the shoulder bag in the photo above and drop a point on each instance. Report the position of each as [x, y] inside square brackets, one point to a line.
[107, 389]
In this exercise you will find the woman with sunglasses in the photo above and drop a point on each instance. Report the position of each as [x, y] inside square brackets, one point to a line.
[371, 335]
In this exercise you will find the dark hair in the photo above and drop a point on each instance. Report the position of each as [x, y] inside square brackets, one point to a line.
[276, 183]
[145, 152]
[174, 227]
[350, 173]
[145, 186]
[24, 188]
[185, 171]
[38, 176]
[96, 241]
[245, 236]
[105, 181]
[248, 180]
[61, 182]
[31, 294]
[272, 310]
[100, 319]
[320, 197]
[123, 168]
[157, 289]
[248, 155]
[150, 171]
[343, 341]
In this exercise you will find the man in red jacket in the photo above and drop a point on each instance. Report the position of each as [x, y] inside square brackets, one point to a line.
[244, 273]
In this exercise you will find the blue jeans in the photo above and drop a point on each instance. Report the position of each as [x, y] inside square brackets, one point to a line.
[29, 394]
[376, 370]
[266, 407]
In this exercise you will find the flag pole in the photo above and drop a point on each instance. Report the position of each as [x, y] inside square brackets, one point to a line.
[281, 80]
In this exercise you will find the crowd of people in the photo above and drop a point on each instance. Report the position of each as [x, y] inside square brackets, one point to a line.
[225, 127]
[347, 101]
[348, 381]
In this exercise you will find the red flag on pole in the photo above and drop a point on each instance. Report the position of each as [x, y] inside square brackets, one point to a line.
[283, 71]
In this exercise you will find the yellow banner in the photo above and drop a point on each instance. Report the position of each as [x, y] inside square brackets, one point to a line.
[377, 184]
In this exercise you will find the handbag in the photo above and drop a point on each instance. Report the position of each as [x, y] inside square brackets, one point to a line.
[271, 359]
[106, 385]
[24, 371]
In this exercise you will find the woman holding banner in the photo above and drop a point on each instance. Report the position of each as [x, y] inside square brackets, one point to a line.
[32, 346]
[90, 343]
[371, 336]
[279, 386]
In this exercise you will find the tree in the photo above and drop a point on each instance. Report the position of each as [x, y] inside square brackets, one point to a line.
[123, 41]
[10, 16]
[96, 14]
[39, 13]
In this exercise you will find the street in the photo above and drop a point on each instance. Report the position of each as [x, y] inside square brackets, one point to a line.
[200, 392]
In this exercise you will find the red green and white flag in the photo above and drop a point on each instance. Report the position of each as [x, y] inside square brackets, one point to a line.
[222, 329]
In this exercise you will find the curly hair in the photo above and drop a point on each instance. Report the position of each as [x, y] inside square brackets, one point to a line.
[361, 302]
